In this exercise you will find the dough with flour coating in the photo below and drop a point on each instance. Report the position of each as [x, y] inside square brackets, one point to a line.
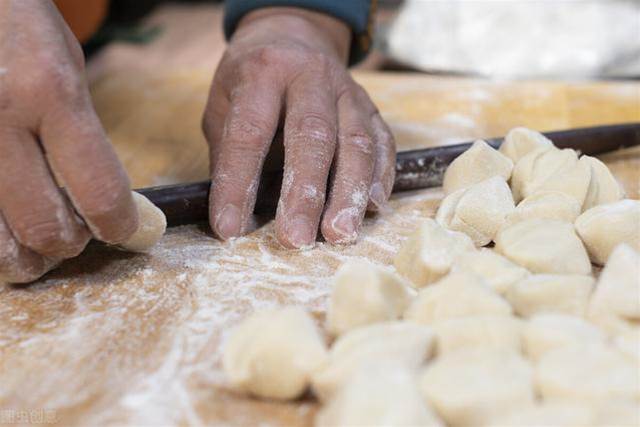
[521, 141]
[273, 353]
[478, 211]
[471, 387]
[550, 169]
[478, 163]
[603, 186]
[546, 332]
[587, 373]
[544, 246]
[502, 332]
[404, 344]
[498, 272]
[429, 252]
[562, 293]
[556, 414]
[365, 293]
[553, 205]
[151, 226]
[379, 395]
[457, 295]
[604, 227]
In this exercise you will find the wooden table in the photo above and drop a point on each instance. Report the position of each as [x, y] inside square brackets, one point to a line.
[113, 337]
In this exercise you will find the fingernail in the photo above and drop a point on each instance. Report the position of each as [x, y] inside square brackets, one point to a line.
[228, 222]
[378, 196]
[301, 232]
[345, 225]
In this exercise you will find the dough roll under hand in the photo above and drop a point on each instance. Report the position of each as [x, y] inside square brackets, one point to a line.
[151, 226]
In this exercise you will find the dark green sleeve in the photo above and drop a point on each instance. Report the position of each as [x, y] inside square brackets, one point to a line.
[358, 14]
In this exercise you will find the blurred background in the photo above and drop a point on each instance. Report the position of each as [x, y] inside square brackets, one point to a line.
[489, 38]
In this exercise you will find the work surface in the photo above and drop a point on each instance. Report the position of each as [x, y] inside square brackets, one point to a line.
[112, 337]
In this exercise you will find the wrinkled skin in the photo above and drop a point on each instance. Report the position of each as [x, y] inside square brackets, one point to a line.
[286, 67]
[50, 134]
[283, 68]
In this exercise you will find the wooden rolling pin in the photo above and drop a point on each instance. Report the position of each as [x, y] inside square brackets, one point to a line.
[415, 169]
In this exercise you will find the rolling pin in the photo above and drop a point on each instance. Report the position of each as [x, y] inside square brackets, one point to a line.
[415, 169]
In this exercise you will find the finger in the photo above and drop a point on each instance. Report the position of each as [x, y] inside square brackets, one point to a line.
[384, 171]
[309, 141]
[17, 263]
[37, 212]
[354, 164]
[213, 121]
[251, 123]
[84, 162]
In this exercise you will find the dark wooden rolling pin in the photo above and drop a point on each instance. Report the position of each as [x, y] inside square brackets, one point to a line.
[415, 169]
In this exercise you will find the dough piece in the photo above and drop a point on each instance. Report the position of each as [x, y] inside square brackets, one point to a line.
[550, 169]
[478, 211]
[151, 226]
[544, 246]
[540, 293]
[402, 343]
[429, 252]
[629, 346]
[556, 414]
[470, 387]
[587, 373]
[546, 332]
[497, 271]
[475, 165]
[618, 288]
[521, 141]
[364, 293]
[604, 227]
[273, 353]
[378, 395]
[603, 187]
[460, 333]
[545, 205]
[457, 295]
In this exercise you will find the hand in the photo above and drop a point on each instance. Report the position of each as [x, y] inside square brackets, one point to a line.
[286, 64]
[50, 134]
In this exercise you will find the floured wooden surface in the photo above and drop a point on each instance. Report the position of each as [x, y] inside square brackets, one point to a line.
[119, 338]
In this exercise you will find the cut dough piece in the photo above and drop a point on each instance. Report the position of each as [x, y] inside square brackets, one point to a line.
[475, 165]
[497, 271]
[471, 387]
[457, 295]
[541, 293]
[618, 288]
[151, 226]
[364, 293]
[545, 205]
[521, 141]
[550, 169]
[587, 373]
[273, 353]
[556, 414]
[403, 343]
[429, 253]
[478, 331]
[603, 187]
[478, 211]
[629, 346]
[546, 332]
[544, 246]
[378, 395]
[604, 227]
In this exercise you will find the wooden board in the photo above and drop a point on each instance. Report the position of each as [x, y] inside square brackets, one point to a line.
[118, 338]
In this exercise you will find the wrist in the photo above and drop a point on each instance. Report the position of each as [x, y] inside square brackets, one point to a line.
[309, 27]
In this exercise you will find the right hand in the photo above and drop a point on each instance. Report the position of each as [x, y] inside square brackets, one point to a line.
[50, 135]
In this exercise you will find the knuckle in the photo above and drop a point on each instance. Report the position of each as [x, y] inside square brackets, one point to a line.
[248, 130]
[59, 81]
[47, 235]
[315, 127]
[359, 140]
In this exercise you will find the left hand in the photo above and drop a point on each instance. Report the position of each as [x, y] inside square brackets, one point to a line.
[289, 65]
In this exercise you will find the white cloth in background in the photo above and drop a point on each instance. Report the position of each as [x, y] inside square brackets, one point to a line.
[515, 38]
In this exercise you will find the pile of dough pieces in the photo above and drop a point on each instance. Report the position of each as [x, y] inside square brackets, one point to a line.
[520, 334]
